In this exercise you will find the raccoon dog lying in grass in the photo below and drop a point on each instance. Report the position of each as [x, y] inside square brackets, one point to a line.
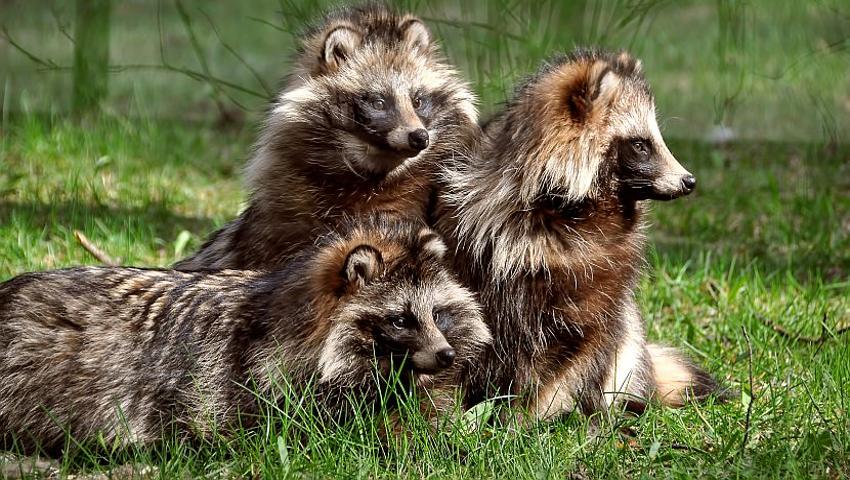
[359, 128]
[132, 354]
[547, 225]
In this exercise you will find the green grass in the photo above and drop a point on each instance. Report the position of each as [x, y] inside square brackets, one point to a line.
[750, 275]
[130, 186]
[764, 243]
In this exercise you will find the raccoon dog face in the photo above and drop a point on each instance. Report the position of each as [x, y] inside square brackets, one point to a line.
[400, 305]
[380, 100]
[599, 132]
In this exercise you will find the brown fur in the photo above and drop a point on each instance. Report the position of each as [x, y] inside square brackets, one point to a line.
[318, 162]
[134, 354]
[546, 224]
[373, 22]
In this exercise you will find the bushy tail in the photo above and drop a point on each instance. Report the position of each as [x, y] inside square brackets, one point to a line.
[679, 381]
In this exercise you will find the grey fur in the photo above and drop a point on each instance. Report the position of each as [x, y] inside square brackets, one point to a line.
[318, 161]
[134, 353]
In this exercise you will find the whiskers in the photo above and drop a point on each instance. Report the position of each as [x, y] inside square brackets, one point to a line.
[636, 182]
[350, 166]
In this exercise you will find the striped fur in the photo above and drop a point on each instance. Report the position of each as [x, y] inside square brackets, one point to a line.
[133, 354]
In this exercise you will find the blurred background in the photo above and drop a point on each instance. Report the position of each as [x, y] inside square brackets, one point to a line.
[761, 69]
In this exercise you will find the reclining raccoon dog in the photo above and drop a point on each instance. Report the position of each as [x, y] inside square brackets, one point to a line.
[360, 127]
[546, 222]
[134, 353]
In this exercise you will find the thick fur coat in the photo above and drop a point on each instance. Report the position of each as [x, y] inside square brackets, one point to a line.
[546, 223]
[136, 354]
[360, 127]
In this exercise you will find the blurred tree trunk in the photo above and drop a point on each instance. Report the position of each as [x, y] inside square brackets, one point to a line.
[91, 55]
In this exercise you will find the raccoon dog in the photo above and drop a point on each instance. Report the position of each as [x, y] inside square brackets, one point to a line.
[546, 222]
[132, 354]
[360, 127]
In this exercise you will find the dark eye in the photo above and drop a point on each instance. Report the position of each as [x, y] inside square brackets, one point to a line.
[379, 104]
[443, 319]
[640, 147]
[417, 102]
[401, 322]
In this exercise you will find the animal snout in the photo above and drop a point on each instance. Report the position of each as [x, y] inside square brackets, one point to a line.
[418, 139]
[689, 183]
[432, 360]
[445, 357]
[669, 187]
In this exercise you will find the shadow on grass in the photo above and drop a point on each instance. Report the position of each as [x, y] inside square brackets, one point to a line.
[154, 220]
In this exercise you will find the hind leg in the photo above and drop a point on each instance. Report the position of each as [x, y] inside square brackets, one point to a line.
[629, 379]
[642, 370]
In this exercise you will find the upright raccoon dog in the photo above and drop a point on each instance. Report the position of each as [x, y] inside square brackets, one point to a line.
[546, 222]
[134, 353]
[360, 127]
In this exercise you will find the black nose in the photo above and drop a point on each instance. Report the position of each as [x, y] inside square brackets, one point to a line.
[445, 357]
[689, 182]
[418, 139]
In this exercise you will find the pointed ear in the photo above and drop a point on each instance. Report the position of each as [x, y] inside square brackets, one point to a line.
[594, 88]
[432, 243]
[362, 265]
[339, 44]
[629, 64]
[416, 34]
